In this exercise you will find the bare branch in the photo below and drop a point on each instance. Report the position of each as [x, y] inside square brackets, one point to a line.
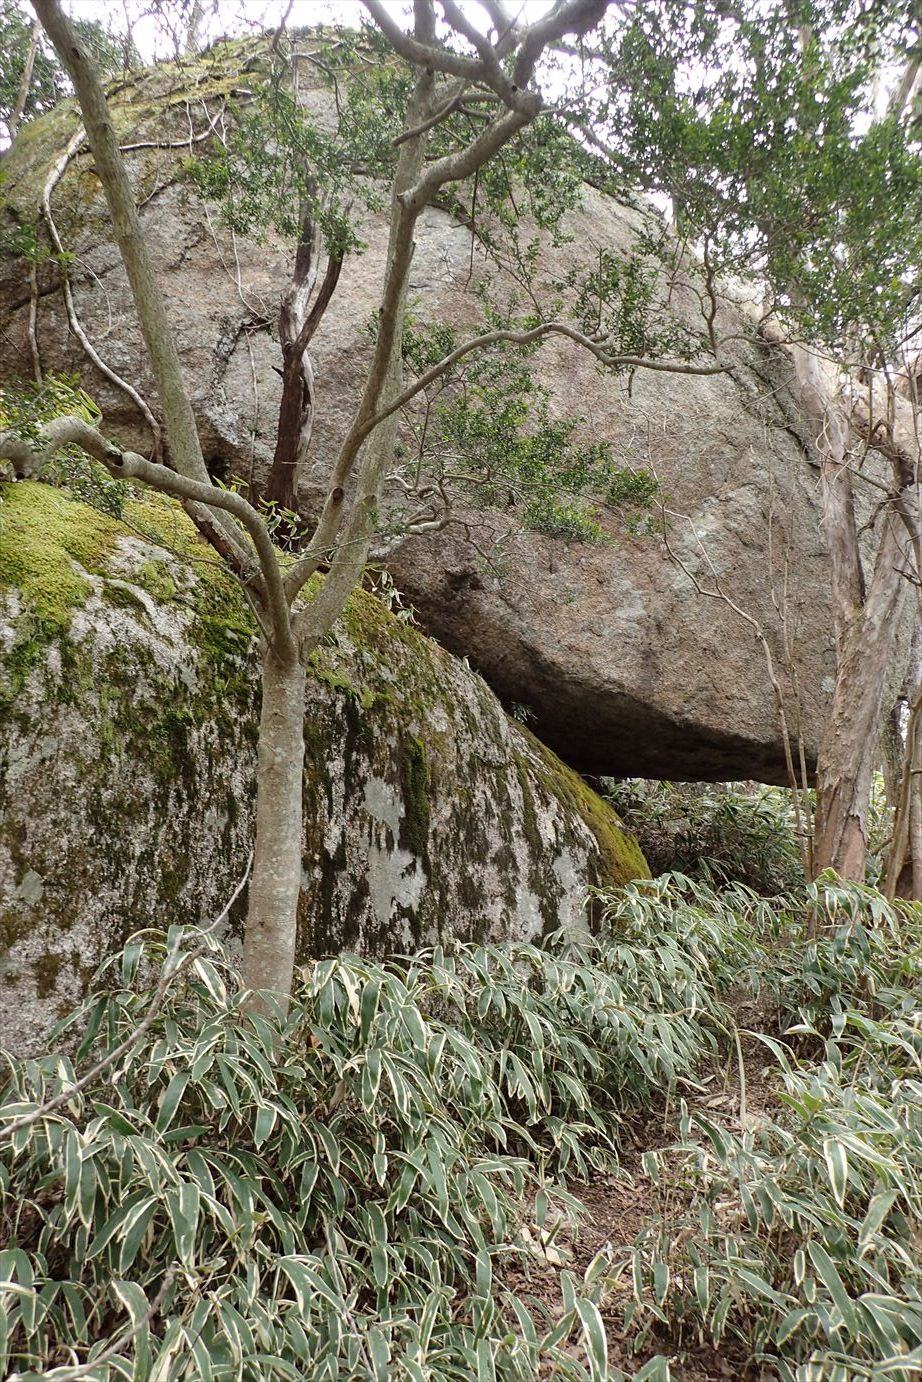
[76, 326]
[571, 17]
[321, 302]
[434, 57]
[455, 167]
[451, 105]
[524, 338]
[179, 419]
[718, 593]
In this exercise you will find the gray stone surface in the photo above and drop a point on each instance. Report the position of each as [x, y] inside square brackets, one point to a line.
[128, 699]
[624, 666]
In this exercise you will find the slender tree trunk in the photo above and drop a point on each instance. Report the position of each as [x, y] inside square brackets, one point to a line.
[16, 114]
[269, 949]
[299, 317]
[904, 864]
[846, 759]
[296, 410]
[296, 414]
[866, 615]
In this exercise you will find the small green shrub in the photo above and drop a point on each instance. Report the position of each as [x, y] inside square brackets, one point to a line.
[636, 488]
[574, 522]
[717, 834]
[488, 429]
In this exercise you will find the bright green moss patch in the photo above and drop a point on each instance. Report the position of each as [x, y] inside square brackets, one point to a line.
[621, 856]
[43, 533]
[155, 578]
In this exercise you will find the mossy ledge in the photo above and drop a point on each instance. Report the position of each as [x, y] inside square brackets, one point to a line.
[620, 856]
[129, 693]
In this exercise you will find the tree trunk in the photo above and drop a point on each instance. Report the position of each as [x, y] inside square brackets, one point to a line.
[296, 415]
[269, 949]
[299, 319]
[16, 114]
[904, 864]
[845, 763]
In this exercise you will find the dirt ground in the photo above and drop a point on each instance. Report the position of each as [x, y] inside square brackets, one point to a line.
[619, 1205]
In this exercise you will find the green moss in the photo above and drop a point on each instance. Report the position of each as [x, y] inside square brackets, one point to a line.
[46, 972]
[336, 680]
[155, 578]
[28, 161]
[529, 814]
[48, 544]
[414, 825]
[123, 596]
[621, 858]
[43, 533]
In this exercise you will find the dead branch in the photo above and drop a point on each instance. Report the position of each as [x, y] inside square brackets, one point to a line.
[718, 593]
[76, 326]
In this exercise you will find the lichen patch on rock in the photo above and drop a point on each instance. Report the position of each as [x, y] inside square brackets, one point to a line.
[128, 706]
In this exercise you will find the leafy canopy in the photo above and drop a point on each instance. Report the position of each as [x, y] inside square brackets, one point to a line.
[764, 126]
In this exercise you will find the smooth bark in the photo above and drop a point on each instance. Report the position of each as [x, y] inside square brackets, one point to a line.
[867, 617]
[271, 927]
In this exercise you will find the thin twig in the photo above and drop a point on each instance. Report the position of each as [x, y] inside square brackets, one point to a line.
[718, 593]
[76, 326]
[89, 1368]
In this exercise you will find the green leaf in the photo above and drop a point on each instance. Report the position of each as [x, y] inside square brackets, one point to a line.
[837, 1167]
[596, 1341]
[833, 1282]
[170, 1101]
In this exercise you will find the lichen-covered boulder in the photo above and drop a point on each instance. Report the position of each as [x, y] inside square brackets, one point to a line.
[128, 700]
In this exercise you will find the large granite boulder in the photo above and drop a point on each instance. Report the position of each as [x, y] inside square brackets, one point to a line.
[128, 713]
[626, 668]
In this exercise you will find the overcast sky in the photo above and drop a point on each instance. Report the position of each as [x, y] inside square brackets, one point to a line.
[232, 16]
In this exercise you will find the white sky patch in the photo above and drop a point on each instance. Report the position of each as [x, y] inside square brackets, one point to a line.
[225, 17]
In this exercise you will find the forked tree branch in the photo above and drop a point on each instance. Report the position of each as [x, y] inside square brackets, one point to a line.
[126, 465]
[179, 419]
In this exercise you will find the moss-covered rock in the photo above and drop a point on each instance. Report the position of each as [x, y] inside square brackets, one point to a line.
[128, 711]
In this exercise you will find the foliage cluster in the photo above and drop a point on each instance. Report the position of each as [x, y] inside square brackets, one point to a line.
[343, 1191]
[720, 834]
[275, 161]
[337, 1192]
[49, 83]
[763, 126]
[487, 429]
[797, 1234]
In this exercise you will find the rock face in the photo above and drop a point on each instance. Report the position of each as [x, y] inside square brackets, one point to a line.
[625, 667]
[128, 698]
